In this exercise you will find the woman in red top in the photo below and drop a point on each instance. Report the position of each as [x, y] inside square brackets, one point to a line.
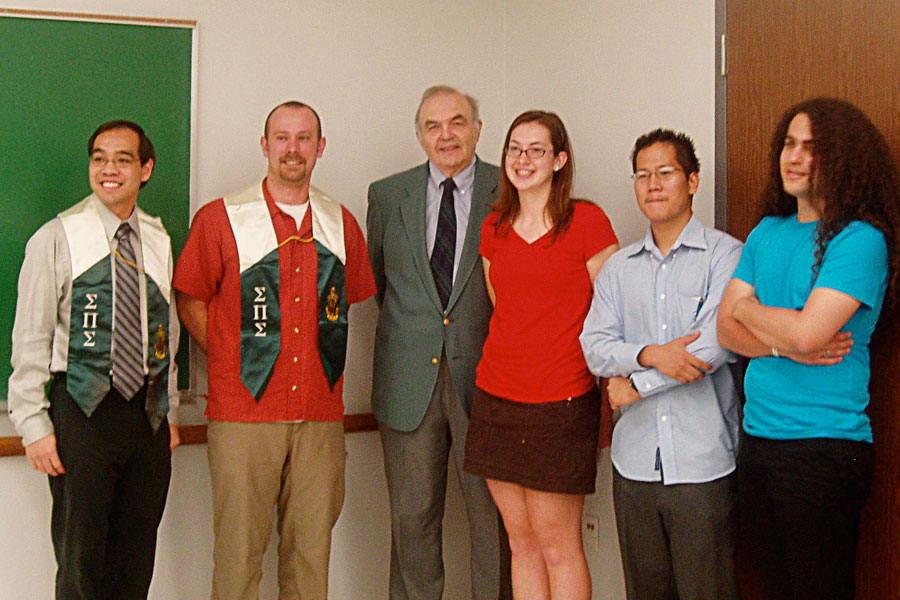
[535, 413]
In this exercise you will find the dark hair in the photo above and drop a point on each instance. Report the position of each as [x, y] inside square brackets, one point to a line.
[685, 153]
[294, 104]
[852, 175]
[146, 151]
[559, 205]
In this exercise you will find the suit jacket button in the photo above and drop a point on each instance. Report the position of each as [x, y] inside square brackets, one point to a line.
[434, 361]
[446, 321]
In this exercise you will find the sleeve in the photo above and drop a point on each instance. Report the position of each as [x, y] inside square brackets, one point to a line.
[598, 231]
[603, 335]
[746, 268]
[374, 234]
[726, 255]
[856, 264]
[359, 280]
[487, 246]
[39, 294]
[200, 267]
[174, 339]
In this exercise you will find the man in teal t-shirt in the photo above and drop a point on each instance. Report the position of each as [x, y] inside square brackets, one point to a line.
[802, 305]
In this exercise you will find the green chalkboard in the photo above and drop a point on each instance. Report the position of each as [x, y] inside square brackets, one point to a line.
[59, 80]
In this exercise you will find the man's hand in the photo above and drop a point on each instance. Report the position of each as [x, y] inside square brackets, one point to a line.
[43, 457]
[174, 437]
[620, 392]
[830, 354]
[673, 360]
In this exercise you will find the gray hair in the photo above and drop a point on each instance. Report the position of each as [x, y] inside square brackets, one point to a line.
[437, 90]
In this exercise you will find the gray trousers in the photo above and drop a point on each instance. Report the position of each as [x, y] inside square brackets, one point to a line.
[677, 541]
[416, 467]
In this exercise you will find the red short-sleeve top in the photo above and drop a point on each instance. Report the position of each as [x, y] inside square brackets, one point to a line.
[543, 292]
[209, 270]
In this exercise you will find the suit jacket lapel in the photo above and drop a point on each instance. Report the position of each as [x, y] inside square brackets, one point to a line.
[482, 197]
[412, 211]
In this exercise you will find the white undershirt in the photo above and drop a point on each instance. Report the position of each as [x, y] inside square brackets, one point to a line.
[298, 211]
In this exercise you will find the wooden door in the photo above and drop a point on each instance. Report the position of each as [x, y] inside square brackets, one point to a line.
[780, 52]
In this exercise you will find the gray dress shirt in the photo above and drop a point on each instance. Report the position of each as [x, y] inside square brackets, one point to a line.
[676, 433]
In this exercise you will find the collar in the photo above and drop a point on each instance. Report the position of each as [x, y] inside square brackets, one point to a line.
[111, 222]
[464, 180]
[691, 236]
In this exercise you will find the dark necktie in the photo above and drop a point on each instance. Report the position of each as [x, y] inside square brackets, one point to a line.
[445, 244]
[128, 357]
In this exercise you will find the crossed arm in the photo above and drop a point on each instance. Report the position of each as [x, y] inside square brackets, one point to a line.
[810, 335]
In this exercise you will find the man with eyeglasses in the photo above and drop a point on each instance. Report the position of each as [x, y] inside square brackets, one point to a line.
[95, 320]
[424, 227]
[651, 331]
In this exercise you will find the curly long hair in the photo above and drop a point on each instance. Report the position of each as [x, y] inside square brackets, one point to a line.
[559, 205]
[853, 176]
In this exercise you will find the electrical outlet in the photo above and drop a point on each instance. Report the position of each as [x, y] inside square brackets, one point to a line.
[590, 533]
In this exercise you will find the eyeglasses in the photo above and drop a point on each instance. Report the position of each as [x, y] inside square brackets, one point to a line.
[532, 152]
[663, 174]
[120, 160]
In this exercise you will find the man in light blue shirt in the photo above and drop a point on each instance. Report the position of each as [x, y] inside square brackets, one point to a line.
[651, 331]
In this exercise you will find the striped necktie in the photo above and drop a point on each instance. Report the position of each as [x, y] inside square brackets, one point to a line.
[128, 355]
[445, 244]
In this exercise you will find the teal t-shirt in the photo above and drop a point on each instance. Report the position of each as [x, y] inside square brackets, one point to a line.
[788, 400]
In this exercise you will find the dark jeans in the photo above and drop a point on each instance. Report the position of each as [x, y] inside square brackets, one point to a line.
[109, 502]
[677, 541]
[800, 502]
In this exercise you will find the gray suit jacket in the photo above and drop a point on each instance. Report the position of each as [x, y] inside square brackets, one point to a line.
[412, 331]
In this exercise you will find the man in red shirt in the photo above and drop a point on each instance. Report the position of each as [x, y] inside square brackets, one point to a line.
[271, 270]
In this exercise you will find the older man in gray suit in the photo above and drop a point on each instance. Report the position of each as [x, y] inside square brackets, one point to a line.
[424, 226]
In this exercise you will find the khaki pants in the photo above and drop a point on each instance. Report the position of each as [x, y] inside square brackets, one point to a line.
[298, 467]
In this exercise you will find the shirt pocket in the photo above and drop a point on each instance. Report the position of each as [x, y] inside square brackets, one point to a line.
[690, 297]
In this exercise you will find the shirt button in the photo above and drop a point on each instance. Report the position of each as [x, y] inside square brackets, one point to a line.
[663, 267]
[295, 359]
[297, 270]
[434, 361]
[296, 330]
[662, 296]
[664, 418]
[297, 299]
[446, 321]
[293, 388]
[664, 326]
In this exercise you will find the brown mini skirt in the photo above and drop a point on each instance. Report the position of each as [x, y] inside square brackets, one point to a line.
[549, 446]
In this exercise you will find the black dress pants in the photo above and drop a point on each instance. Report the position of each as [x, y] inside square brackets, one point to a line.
[108, 504]
[800, 502]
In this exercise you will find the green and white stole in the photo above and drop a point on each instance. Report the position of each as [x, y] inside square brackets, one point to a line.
[257, 248]
[90, 323]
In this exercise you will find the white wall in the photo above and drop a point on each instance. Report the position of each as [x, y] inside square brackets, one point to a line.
[612, 69]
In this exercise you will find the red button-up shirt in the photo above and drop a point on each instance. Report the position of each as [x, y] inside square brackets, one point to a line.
[209, 270]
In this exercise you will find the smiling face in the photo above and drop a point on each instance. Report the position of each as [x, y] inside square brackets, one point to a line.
[292, 146]
[797, 157]
[448, 132]
[662, 188]
[531, 173]
[115, 170]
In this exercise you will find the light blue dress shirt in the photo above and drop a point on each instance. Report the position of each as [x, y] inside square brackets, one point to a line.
[676, 433]
[462, 204]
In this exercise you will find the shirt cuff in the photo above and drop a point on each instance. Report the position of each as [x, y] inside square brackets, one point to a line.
[648, 381]
[34, 428]
[172, 415]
